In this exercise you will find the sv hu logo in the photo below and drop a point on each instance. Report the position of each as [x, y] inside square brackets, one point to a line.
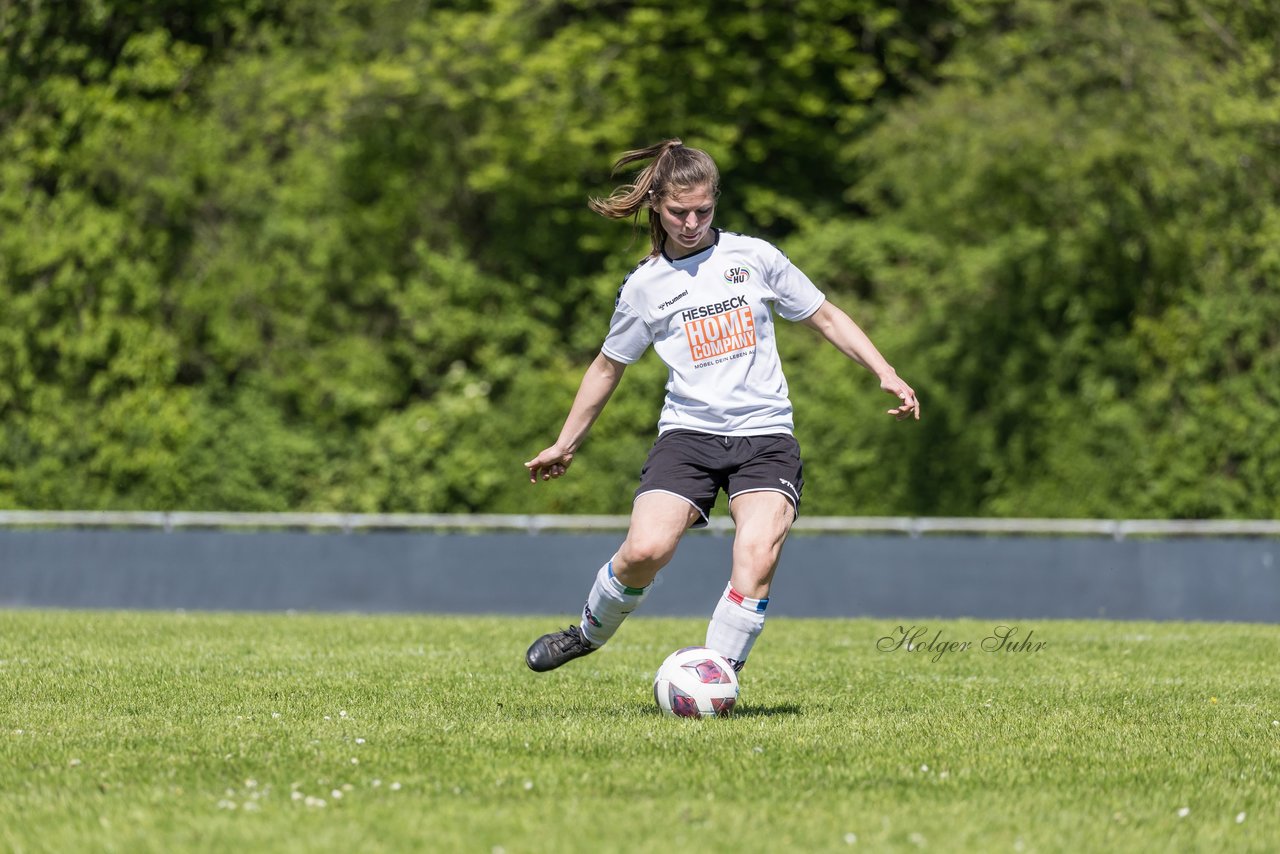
[737, 275]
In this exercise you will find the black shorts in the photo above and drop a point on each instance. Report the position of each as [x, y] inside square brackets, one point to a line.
[696, 466]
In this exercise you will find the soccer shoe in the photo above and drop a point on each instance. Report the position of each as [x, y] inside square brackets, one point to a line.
[550, 651]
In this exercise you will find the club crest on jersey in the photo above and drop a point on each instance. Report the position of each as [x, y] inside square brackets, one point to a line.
[737, 275]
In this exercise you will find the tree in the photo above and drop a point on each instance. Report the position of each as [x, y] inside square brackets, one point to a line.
[1071, 226]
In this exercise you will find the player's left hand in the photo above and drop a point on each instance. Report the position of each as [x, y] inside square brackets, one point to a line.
[908, 406]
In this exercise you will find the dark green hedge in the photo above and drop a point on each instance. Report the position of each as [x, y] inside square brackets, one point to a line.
[292, 254]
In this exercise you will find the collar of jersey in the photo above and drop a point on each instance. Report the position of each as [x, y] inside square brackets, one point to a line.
[683, 259]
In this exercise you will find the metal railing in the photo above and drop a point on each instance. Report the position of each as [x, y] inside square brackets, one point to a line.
[533, 523]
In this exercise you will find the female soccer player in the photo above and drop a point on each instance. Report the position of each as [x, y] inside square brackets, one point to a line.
[704, 299]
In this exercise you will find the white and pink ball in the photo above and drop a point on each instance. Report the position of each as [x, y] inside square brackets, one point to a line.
[696, 682]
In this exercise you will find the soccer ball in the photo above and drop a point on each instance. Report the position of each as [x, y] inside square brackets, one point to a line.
[696, 682]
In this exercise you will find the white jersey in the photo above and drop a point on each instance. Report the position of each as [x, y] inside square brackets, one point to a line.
[710, 318]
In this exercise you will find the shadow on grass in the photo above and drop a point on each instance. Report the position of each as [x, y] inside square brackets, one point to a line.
[754, 710]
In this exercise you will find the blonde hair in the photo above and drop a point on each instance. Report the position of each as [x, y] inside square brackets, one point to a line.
[675, 168]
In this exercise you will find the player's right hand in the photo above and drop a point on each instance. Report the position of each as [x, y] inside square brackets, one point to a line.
[551, 463]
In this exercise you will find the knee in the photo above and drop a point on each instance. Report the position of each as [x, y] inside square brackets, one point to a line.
[647, 550]
[757, 556]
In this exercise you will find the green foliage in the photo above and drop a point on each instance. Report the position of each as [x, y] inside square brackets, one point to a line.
[1070, 229]
[280, 254]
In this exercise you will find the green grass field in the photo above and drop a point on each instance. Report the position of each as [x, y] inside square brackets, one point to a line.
[170, 732]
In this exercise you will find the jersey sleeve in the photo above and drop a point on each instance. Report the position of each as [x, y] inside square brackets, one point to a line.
[796, 297]
[629, 336]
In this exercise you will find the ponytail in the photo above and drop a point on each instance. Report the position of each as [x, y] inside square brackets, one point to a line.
[675, 168]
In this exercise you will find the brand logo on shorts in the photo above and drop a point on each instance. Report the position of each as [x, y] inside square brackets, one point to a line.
[789, 485]
[737, 275]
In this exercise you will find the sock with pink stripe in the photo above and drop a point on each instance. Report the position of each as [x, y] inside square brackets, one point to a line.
[735, 625]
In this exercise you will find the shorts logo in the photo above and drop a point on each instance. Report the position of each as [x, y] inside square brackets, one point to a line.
[737, 275]
[788, 484]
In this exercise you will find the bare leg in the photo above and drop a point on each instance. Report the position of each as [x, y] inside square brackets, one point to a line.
[763, 520]
[658, 521]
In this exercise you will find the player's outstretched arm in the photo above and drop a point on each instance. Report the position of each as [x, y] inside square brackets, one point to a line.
[838, 328]
[598, 383]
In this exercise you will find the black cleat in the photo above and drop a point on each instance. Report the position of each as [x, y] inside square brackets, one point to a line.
[550, 651]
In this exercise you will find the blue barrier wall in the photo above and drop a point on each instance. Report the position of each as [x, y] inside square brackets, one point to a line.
[1225, 578]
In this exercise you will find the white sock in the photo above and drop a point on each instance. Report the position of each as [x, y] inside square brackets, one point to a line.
[607, 606]
[735, 625]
